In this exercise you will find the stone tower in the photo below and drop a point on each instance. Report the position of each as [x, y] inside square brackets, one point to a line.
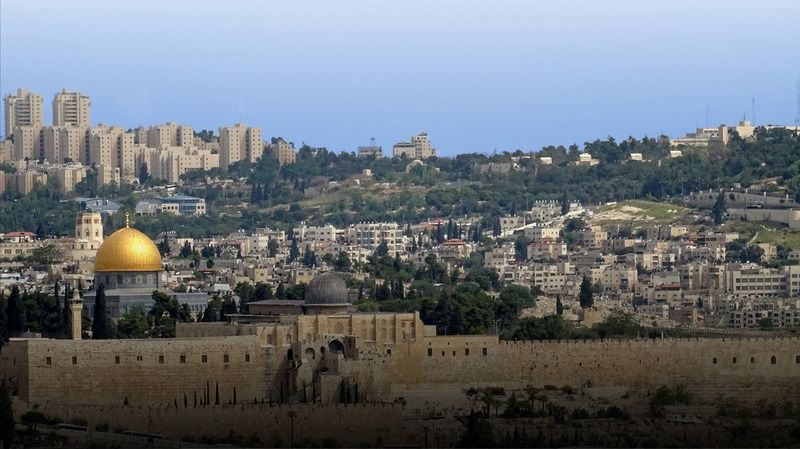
[89, 227]
[75, 308]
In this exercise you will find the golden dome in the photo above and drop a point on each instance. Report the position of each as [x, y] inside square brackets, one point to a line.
[127, 250]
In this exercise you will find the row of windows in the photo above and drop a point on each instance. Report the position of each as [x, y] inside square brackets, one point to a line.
[139, 358]
[772, 360]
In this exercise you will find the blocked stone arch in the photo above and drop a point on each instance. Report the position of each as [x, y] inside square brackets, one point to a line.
[339, 328]
[309, 354]
[336, 347]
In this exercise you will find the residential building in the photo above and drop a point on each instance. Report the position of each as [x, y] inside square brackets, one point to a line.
[22, 109]
[27, 142]
[239, 142]
[370, 235]
[111, 146]
[65, 144]
[283, 151]
[71, 109]
[169, 134]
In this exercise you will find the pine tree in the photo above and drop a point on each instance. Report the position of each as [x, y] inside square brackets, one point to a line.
[100, 320]
[16, 313]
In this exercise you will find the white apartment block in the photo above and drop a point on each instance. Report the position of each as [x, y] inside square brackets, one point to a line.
[753, 281]
[239, 142]
[536, 232]
[315, 234]
[22, 109]
[71, 109]
[370, 235]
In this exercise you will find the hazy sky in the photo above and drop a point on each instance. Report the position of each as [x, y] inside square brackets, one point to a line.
[476, 75]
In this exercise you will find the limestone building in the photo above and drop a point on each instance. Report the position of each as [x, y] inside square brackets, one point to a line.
[239, 142]
[418, 148]
[283, 151]
[22, 109]
[169, 134]
[71, 109]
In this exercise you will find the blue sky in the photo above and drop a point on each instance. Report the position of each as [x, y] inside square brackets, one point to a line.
[476, 75]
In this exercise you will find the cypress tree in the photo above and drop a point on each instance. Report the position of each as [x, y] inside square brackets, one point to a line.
[16, 313]
[559, 306]
[586, 296]
[100, 320]
[3, 321]
[7, 423]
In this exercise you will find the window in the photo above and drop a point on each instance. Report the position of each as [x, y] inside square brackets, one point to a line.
[466, 351]
[773, 360]
[752, 360]
[247, 357]
[49, 361]
[734, 361]
[714, 360]
[138, 358]
[388, 351]
[161, 359]
[204, 358]
[797, 359]
[225, 358]
[485, 351]
[183, 358]
[116, 360]
[74, 360]
[430, 352]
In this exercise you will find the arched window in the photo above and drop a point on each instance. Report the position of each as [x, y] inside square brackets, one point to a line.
[714, 360]
[773, 360]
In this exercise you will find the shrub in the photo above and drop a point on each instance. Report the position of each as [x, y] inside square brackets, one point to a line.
[35, 417]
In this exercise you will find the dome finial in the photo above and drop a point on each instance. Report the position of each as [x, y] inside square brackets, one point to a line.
[127, 220]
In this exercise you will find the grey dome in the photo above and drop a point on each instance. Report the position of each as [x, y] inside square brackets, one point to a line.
[327, 289]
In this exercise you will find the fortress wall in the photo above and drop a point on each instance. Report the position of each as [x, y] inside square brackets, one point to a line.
[351, 425]
[642, 365]
[82, 372]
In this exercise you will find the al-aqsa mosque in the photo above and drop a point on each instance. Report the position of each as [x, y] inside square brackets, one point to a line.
[129, 266]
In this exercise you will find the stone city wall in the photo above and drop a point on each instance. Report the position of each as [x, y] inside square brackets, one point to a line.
[750, 368]
[154, 371]
[355, 425]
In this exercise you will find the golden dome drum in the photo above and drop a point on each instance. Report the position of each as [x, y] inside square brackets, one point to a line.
[127, 250]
